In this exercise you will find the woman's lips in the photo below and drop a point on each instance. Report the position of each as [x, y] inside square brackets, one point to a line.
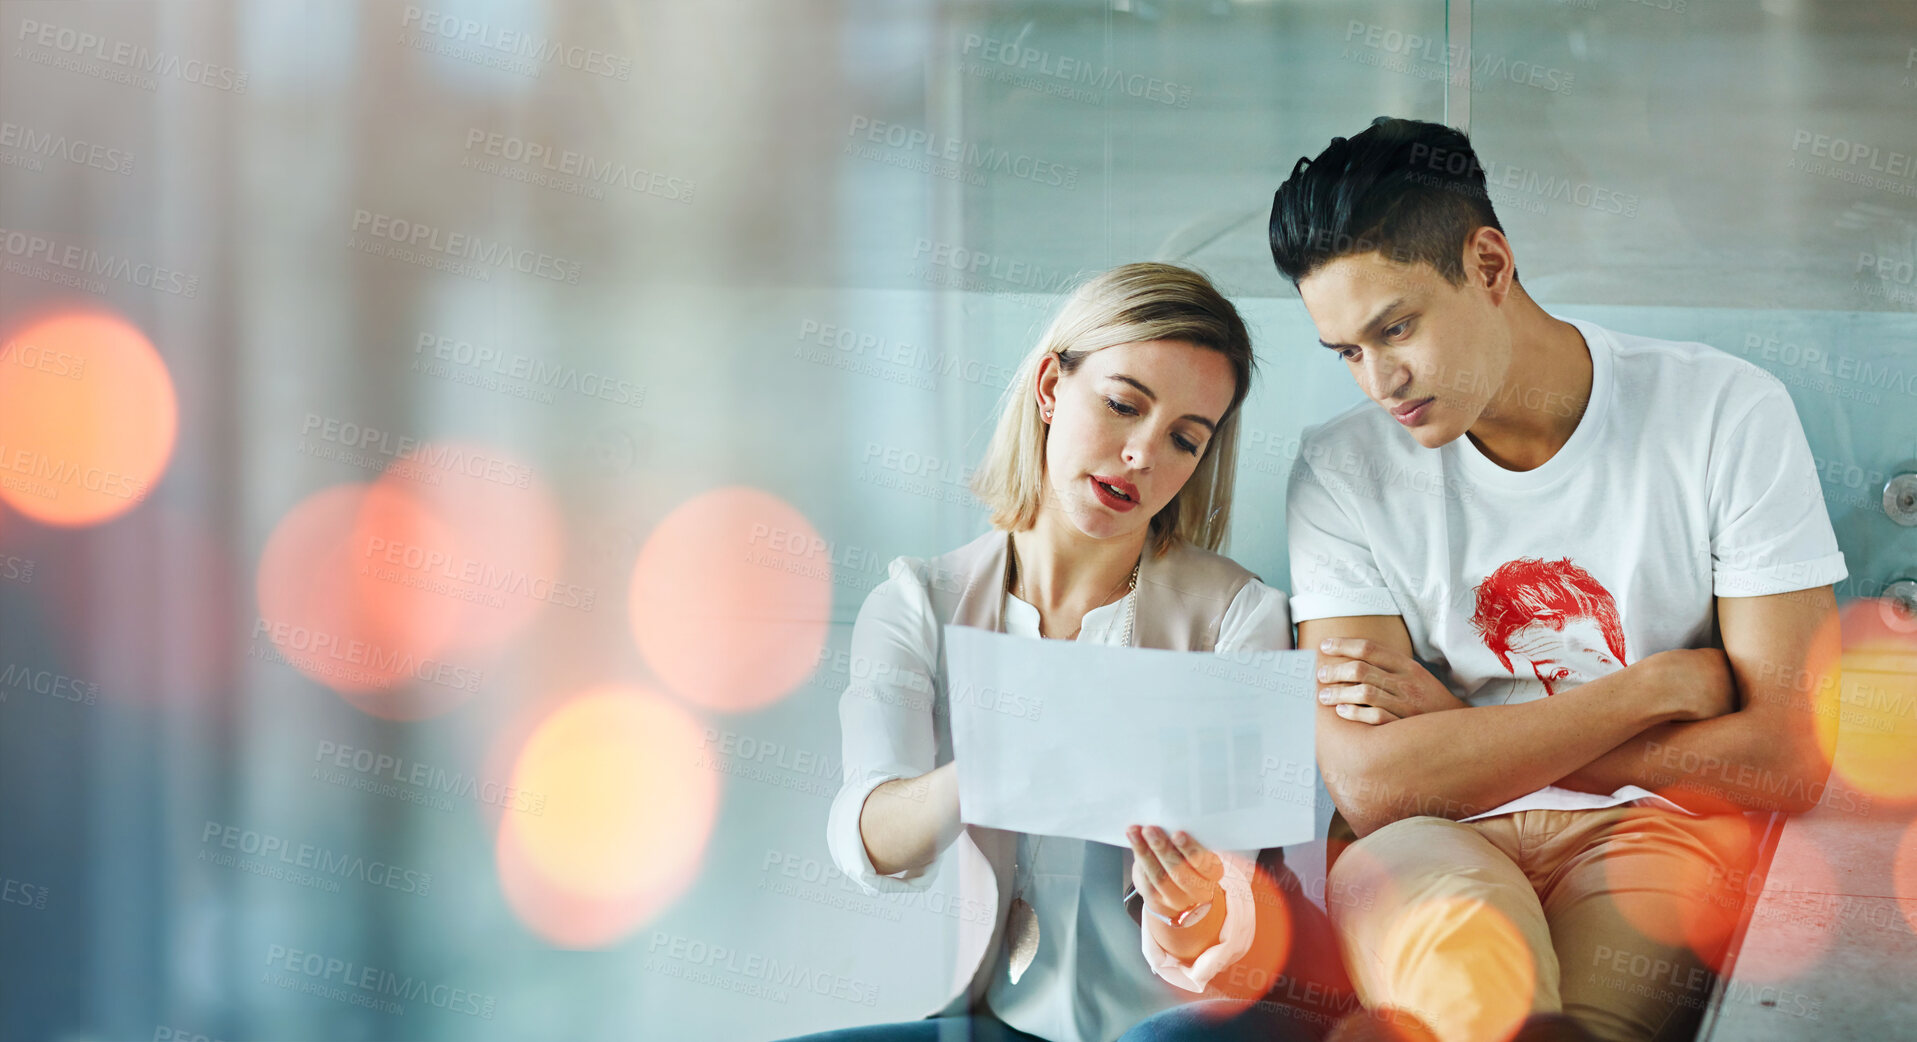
[1118, 503]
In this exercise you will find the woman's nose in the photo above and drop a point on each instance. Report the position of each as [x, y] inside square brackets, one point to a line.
[1137, 452]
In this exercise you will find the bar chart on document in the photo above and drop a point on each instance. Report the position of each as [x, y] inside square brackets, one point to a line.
[1066, 739]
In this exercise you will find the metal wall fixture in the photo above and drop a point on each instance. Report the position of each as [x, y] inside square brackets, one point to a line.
[1900, 505]
[1900, 495]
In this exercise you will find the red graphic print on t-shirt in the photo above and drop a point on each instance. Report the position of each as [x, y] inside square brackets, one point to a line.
[1554, 616]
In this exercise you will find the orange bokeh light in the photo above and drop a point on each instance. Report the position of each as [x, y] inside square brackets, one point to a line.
[1465, 947]
[731, 597]
[499, 551]
[87, 418]
[1878, 710]
[1684, 900]
[1264, 969]
[626, 815]
[335, 612]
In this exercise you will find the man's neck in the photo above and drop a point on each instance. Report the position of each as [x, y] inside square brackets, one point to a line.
[1544, 393]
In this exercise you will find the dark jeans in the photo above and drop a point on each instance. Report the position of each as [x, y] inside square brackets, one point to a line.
[1211, 1021]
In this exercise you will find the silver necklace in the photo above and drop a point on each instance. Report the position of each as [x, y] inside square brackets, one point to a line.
[1021, 922]
[1131, 609]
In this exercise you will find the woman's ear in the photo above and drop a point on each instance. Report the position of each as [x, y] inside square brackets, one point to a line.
[1046, 387]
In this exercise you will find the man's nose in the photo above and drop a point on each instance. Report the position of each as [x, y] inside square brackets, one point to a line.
[1383, 377]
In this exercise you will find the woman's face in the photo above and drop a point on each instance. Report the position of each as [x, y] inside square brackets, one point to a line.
[1128, 429]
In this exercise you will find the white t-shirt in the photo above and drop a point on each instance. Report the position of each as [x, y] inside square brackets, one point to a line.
[888, 731]
[1688, 475]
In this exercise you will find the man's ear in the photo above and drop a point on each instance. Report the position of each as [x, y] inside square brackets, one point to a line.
[1489, 263]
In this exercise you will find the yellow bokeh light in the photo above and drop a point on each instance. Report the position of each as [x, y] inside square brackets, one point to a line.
[625, 815]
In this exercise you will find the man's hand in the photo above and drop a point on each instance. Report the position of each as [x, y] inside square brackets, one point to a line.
[1697, 681]
[1368, 683]
[1685, 685]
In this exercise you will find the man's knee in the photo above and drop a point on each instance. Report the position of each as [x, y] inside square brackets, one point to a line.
[1412, 833]
[1391, 854]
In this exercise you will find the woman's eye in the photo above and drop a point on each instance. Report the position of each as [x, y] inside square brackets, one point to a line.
[1120, 407]
[1184, 444]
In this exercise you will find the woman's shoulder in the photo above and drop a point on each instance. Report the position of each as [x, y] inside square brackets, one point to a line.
[1191, 555]
[1259, 617]
[1196, 570]
[920, 583]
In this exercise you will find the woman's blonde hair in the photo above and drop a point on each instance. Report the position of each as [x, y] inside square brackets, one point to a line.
[1126, 305]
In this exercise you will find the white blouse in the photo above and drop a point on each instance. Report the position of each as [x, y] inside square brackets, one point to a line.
[886, 719]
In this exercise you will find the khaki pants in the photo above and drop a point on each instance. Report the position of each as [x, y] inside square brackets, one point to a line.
[1614, 917]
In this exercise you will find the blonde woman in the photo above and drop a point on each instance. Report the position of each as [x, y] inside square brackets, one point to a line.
[1109, 480]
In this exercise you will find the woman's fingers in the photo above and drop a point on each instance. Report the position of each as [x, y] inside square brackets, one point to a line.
[1209, 866]
[1152, 876]
[1180, 871]
[1148, 874]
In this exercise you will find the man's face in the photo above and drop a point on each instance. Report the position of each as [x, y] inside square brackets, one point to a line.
[1430, 353]
[1564, 653]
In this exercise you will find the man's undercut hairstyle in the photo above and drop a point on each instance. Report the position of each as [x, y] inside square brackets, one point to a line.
[1407, 189]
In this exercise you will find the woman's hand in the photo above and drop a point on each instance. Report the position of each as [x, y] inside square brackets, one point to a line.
[1173, 873]
[1372, 684]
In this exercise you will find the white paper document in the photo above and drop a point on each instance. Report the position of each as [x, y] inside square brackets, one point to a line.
[1059, 738]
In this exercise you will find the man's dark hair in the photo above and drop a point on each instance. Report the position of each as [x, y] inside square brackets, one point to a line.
[1410, 190]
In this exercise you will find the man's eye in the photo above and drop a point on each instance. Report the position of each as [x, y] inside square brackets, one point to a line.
[1349, 354]
[1397, 331]
[1120, 407]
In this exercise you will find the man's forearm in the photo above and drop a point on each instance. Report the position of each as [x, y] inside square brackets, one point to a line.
[1464, 761]
[1746, 760]
[1784, 651]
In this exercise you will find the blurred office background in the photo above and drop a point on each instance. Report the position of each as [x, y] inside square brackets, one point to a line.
[444, 446]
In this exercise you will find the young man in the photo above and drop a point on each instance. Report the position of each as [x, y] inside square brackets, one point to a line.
[1561, 579]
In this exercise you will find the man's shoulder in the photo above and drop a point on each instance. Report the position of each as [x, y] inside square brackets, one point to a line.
[1651, 371]
[1364, 425]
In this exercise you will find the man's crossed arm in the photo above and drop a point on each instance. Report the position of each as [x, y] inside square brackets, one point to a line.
[1718, 729]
